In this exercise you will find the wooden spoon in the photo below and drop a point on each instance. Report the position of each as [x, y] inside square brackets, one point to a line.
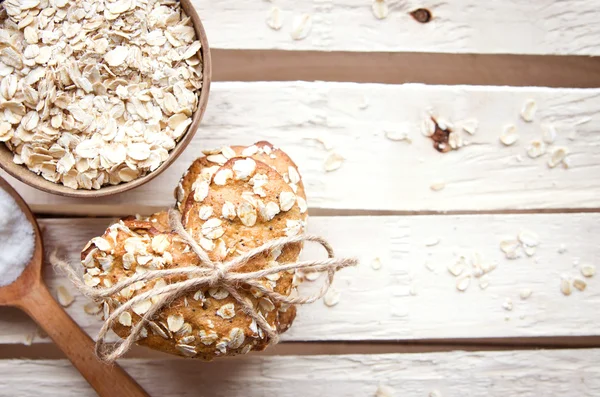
[30, 294]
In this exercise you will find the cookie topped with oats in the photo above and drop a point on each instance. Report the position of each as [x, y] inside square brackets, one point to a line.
[96, 93]
[231, 201]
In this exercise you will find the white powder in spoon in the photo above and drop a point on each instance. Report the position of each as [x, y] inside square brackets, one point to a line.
[17, 240]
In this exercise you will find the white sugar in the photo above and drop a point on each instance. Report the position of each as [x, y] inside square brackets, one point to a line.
[17, 240]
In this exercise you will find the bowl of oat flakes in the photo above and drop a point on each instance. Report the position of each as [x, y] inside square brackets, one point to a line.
[98, 97]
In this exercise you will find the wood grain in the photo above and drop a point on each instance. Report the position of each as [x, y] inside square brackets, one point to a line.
[458, 26]
[511, 373]
[382, 175]
[404, 300]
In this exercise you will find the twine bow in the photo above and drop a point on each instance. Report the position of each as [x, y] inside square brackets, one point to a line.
[209, 273]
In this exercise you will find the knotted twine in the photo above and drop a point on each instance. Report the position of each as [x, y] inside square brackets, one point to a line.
[207, 274]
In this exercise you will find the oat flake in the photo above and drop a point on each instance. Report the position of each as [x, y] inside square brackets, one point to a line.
[380, 9]
[301, 27]
[332, 297]
[463, 283]
[275, 19]
[509, 135]
[528, 110]
[565, 286]
[333, 162]
[579, 284]
[64, 296]
[588, 270]
[376, 264]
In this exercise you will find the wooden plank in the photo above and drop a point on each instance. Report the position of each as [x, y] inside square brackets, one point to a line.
[405, 300]
[458, 26]
[407, 67]
[523, 373]
[382, 175]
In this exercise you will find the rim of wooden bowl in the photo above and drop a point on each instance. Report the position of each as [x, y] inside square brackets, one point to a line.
[23, 174]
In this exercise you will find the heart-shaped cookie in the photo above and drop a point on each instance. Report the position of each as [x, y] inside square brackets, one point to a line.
[232, 200]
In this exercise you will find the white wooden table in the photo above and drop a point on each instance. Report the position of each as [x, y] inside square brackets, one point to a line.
[404, 326]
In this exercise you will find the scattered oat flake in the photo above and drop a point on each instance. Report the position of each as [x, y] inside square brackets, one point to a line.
[548, 133]
[432, 241]
[508, 304]
[437, 186]
[397, 136]
[463, 283]
[384, 391]
[324, 142]
[528, 110]
[435, 393]
[312, 276]
[529, 251]
[557, 156]
[380, 9]
[64, 296]
[275, 20]
[579, 284]
[429, 266]
[301, 26]
[536, 149]
[562, 249]
[28, 341]
[509, 135]
[565, 286]
[376, 264]
[588, 270]
[92, 308]
[529, 238]
[457, 268]
[428, 126]
[510, 248]
[333, 162]
[332, 297]
[484, 282]
[470, 126]
[525, 293]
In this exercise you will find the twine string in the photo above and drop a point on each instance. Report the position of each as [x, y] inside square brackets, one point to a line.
[207, 274]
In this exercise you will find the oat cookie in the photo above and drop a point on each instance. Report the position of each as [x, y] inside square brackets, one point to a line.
[242, 204]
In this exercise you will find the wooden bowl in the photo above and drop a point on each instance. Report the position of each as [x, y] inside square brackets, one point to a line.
[23, 174]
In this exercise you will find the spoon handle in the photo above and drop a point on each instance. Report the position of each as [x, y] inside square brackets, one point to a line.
[107, 380]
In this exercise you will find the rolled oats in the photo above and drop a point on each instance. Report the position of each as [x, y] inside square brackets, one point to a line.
[536, 149]
[509, 135]
[109, 87]
[332, 297]
[380, 9]
[548, 133]
[528, 110]
[557, 156]
[301, 27]
[64, 296]
[579, 284]
[588, 270]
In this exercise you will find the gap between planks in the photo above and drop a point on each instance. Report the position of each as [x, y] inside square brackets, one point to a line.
[407, 67]
[108, 211]
[46, 351]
